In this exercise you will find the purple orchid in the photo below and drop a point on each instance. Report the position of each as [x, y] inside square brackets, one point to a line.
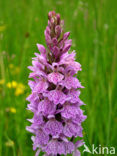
[55, 94]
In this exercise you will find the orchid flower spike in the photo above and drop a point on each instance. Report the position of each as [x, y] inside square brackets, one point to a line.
[54, 99]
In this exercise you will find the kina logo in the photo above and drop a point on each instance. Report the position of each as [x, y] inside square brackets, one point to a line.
[99, 150]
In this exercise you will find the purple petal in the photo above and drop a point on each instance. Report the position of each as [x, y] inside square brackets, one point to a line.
[46, 107]
[66, 48]
[51, 148]
[55, 77]
[55, 147]
[71, 129]
[55, 51]
[40, 139]
[41, 86]
[31, 84]
[79, 143]
[53, 127]
[70, 112]
[66, 35]
[69, 147]
[56, 96]
[76, 153]
[54, 41]
[58, 30]
[42, 49]
[37, 153]
[71, 82]
[74, 96]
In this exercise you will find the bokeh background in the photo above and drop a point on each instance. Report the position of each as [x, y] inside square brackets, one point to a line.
[93, 27]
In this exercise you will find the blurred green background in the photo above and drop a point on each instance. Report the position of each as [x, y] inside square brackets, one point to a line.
[93, 27]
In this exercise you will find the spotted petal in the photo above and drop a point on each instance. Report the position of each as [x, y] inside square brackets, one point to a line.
[55, 77]
[53, 127]
[56, 96]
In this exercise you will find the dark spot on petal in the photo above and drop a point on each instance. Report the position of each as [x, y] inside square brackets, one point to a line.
[57, 59]
[59, 106]
[59, 87]
[65, 90]
[51, 87]
[58, 117]
[72, 139]
[41, 97]
[60, 140]
[63, 123]
[61, 49]
[50, 136]
[45, 118]
[55, 66]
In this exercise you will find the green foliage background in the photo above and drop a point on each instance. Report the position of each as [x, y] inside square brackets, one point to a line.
[93, 27]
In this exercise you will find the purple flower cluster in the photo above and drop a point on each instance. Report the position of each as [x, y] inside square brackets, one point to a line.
[55, 94]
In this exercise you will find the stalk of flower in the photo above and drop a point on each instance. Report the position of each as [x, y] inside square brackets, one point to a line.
[54, 99]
